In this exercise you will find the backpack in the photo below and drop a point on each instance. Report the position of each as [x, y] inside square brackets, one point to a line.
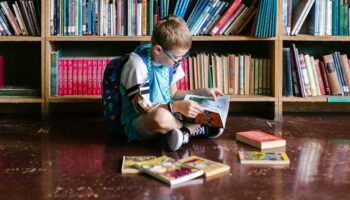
[111, 95]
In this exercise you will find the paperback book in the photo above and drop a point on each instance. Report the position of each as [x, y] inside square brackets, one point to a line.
[209, 167]
[169, 170]
[272, 158]
[260, 139]
[215, 111]
[129, 163]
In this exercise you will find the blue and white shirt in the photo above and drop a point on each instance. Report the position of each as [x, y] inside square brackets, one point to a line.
[135, 76]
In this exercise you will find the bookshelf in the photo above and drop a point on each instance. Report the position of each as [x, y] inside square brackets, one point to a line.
[118, 45]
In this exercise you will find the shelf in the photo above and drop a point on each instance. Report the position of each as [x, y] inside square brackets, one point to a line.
[316, 38]
[251, 98]
[99, 38]
[305, 99]
[233, 98]
[20, 39]
[17, 99]
[74, 99]
[148, 38]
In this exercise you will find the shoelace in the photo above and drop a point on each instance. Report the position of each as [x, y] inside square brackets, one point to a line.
[199, 131]
[186, 138]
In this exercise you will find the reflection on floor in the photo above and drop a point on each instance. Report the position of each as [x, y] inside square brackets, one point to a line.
[74, 158]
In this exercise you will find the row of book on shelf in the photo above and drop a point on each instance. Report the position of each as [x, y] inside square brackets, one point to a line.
[233, 74]
[137, 17]
[20, 17]
[237, 74]
[172, 171]
[304, 75]
[326, 17]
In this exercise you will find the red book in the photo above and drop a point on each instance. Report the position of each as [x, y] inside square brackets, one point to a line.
[2, 71]
[225, 17]
[324, 78]
[260, 139]
[85, 76]
[99, 75]
[60, 77]
[319, 77]
[70, 78]
[65, 78]
[89, 76]
[94, 76]
[80, 76]
[74, 63]
[231, 65]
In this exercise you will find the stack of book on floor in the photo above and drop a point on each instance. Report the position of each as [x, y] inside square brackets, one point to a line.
[272, 148]
[173, 171]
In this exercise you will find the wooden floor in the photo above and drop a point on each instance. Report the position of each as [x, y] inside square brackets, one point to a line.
[75, 159]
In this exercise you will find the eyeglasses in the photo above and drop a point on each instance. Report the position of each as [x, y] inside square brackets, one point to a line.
[176, 63]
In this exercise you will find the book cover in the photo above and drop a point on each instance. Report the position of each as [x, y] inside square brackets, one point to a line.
[260, 139]
[169, 170]
[129, 162]
[272, 158]
[209, 167]
[215, 111]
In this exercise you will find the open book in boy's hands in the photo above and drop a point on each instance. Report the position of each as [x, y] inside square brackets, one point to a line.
[215, 111]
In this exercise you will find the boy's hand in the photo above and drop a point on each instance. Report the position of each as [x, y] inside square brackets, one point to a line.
[187, 108]
[213, 92]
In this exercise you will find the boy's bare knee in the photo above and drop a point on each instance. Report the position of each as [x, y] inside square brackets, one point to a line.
[163, 120]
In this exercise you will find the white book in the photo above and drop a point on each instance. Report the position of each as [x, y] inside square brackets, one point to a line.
[300, 14]
[328, 17]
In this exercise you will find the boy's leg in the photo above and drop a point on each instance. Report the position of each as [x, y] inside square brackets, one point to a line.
[159, 121]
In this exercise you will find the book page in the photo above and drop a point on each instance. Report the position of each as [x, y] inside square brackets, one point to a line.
[220, 106]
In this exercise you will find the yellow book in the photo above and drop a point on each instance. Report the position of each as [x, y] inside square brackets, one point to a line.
[169, 170]
[129, 162]
[209, 167]
[262, 158]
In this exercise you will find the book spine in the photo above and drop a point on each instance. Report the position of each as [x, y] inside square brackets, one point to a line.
[80, 76]
[54, 73]
[319, 77]
[306, 80]
[70, 77]
[287, 72]
[310, 74]
[324, 78]
[74, 63]
[332, 75]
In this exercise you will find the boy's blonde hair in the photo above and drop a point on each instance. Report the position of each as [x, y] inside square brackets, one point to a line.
[172, 32]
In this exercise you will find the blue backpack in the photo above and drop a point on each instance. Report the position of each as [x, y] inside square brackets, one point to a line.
[111, 95]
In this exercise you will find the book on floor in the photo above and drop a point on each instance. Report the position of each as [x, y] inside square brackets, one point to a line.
[260, 139]
[215, 111]
[209, 167]
[169, 170]
[129, 162]
[255, 157]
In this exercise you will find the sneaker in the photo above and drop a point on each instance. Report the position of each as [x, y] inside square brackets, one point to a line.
[215, 132]
[177, 137]
[207, 131]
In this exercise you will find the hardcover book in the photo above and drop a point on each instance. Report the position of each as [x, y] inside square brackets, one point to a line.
[129, 162]
[209, 167]
[260, 139]
[215, 111]
[254, 157]
[169, 170]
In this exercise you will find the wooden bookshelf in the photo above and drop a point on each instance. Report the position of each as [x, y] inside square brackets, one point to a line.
[272, 47]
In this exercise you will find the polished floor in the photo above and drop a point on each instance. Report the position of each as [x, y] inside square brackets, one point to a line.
[75, 159]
